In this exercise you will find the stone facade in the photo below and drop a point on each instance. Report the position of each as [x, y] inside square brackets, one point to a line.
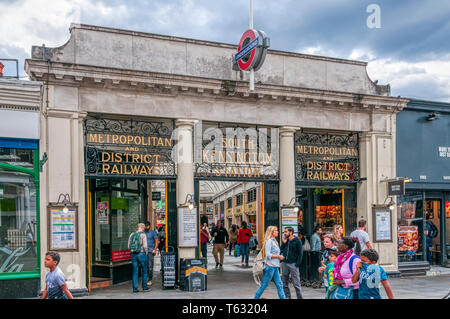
[131, 74]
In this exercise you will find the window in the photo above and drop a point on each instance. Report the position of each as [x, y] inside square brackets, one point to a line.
[251, 195]
[238, 199]
[222, 206]
[18, 220]
[17, 157]
[230, 202]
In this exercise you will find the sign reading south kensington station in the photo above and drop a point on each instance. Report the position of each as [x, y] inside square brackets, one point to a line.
[128, 148]
[327, 157]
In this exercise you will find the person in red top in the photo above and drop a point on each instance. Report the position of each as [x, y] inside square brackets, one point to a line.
[204, 238]
[243, 238]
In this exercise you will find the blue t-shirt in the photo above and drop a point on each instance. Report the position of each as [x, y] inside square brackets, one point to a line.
[151, 235]
[329, 274]
[370, 277]
[55, 279]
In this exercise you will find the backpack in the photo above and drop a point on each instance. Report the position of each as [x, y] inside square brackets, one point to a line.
[252, 242]
[434, 231]
[135, 243]
[350, 263]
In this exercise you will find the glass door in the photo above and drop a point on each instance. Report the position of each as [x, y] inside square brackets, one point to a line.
[102, 239]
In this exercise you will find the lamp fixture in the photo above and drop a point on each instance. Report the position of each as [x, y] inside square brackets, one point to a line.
[296, 204]
[391, 204]
[65, 201]
[189, 201]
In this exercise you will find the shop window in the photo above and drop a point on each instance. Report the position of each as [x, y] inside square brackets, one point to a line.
[410, 223]
[222, 206]
[17, 157]
[229, 203]
[18, 248]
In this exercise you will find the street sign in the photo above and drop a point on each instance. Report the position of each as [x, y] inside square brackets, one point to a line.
[252, 50]
[396, 188]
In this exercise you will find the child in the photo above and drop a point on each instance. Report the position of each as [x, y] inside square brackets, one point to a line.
[328, 274]
[370, 275]
[56, 287]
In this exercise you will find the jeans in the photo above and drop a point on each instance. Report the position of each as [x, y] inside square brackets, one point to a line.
[244, 248]
[136, 260]
[150, 259]
[204, 248]
[271, 273]
[291, 269]
[428, 244]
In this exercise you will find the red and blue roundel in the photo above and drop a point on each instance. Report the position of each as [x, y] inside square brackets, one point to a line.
[252, 50]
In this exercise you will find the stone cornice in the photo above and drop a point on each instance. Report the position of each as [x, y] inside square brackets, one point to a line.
[172, 85]
[20, 95]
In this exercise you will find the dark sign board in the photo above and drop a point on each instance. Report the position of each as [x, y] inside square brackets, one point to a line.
[396, 188]
[156, 196]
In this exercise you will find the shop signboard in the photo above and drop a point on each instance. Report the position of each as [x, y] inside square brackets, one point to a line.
[120, 255]
[187, 227]
[289, 218]
[396, 188]
[128, 148]
[156, 196]
[63, 230]
[327, 157]
[236, 152]
[382, 217]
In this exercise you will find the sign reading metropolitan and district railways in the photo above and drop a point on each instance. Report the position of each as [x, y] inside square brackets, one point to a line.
[236, 152]
[327, 157]
[128, 148]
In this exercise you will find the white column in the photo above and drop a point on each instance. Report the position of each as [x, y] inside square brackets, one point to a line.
[287, 165]
[185, 170]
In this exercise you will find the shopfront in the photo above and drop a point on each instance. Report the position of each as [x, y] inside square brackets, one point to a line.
[19, 190]
[327, 170]
[223, 133]
[427, 196]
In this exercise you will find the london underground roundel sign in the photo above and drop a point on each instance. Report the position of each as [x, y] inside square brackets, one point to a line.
[251, 51]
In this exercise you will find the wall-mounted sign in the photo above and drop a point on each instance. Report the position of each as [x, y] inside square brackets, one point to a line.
[62, 228]
[396, 188]
[156, 196]
[327, 157]
[289, 218]
[187, 227]
[444, 151]
[102, 213]
[252, 50]
[128, 148]
[382, 225]
[236, 152]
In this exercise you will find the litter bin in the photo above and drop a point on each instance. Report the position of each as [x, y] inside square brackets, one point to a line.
[193, 274]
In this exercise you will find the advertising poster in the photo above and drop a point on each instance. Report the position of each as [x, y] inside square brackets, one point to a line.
[383, 225]
[101, 215]
[408, 238]
[447, 209]
[62, 228]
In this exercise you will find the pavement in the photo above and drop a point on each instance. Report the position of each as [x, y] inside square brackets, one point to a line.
[236, 282]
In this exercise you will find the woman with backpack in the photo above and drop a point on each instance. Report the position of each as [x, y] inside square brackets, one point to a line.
[344, 267]
[233, 237]
[243, 238]
[271, 251]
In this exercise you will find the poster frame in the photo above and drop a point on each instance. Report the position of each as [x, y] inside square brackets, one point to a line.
[180, 232]
[50, 207]
[375, 209]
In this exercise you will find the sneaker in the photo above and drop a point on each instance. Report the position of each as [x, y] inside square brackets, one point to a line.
[246, 265]
[135, 291]
[217, 265]
[149, 283]
[146, 289]
[221, 267]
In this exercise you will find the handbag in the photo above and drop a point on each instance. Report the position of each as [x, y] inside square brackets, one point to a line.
[306, 245]
[258, 267]
[340, 292]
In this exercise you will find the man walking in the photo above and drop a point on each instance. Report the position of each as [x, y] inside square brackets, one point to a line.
[221, 237]
[362, 235]
[292, 250]
[152, 244]
[137, 244]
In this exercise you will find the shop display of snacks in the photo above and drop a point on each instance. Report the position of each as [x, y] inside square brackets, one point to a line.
[408, 238]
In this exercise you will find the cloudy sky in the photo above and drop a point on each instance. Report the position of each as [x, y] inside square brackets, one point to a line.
[408, 47]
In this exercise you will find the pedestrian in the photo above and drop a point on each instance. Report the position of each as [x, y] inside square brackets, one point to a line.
[233, 237]
[55, 282]
[431, 232]
[161, 239]
[370, 276]
[152, 244]
[221, 237]
[272, 263]
[344, 268]
[316, 248]
[292, 251]
[329, 269]
[204, 239]
[328, 243]
[137, 244]
[244, 236]
[338, 232]
[362, 235]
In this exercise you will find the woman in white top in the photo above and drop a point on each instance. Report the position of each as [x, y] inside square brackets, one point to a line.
[272, 260]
